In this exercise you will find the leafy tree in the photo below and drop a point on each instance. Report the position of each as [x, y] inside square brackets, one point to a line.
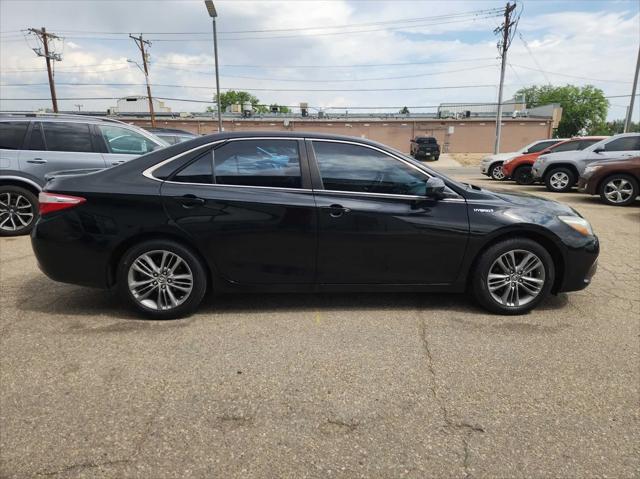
[614, 127]
[584, 109]
[281, 108]
[404, 111]
[232, 97]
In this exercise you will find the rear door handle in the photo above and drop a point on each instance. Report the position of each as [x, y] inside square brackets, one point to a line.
[336, 211]
[114, 163]
[191, 201]
[37, 161]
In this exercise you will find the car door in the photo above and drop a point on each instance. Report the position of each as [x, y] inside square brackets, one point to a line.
[617, 148]
[123, 144]
[376, 225]
[56, 146]
[248, 205]
[12, 135]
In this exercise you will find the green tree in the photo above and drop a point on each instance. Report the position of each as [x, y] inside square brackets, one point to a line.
[614, 127]
[232, 97]
[584, 109]
[404, 111]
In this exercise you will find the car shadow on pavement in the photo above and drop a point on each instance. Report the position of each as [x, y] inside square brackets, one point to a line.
[40, 295]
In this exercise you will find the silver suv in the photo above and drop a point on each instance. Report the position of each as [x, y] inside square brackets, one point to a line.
[33, 145]
[560, 171]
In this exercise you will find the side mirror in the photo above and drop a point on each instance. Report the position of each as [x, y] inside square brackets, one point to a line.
[435, 187]
[600, 149]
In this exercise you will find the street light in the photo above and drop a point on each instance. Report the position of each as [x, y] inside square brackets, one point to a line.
[213, 14]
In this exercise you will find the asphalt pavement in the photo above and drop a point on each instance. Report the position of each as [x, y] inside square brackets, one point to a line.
[351, 385]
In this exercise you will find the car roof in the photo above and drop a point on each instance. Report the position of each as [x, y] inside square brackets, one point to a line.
[174, 131]
[60, 117]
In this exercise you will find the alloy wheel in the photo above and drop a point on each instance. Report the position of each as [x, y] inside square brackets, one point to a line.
[160, 280]
[16, 212]
[516, 278]
[559, 180]
[618, 190]
[497, 173]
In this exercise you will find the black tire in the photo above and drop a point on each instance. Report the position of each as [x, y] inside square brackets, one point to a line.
[523, 175]
[11, 221]
[619, 177]
[495, 172]
[479, 279]
[552, 182]
[190, 301]
[436, 158]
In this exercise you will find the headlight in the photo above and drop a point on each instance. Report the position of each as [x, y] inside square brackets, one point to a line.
[581, 225]
[541, 159]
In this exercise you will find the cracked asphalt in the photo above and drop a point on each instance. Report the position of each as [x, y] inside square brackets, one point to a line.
[354, 385]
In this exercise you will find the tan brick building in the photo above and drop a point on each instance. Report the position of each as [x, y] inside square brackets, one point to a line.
[469, 135]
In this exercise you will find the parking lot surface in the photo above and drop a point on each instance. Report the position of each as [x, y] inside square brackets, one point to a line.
[351, 385]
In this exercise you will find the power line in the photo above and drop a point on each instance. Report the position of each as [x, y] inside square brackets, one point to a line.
[568, 75]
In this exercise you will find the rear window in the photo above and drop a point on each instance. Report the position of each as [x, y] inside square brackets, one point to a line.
[568, 146]
[73, 137]
[542, 146]
[425, 140]
[12, 134]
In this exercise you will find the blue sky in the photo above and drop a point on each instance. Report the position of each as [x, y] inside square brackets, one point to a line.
[336, 45]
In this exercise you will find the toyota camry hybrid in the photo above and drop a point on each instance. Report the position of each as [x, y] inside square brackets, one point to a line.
[302, 212]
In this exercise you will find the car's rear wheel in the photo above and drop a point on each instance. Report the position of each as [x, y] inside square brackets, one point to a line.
[513, 276]
[560, 180]
[523, 175]
[619, 190]
[495, 172]
[162, 279]
[18, 210]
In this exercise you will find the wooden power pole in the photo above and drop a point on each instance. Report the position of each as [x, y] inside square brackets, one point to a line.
[49, 57]
[503, 46]
[140, 42]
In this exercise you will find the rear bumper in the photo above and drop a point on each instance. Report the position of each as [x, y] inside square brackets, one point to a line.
[580, 266]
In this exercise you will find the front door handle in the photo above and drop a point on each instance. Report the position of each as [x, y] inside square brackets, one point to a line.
[191, 201]
[37, 161]
[336, 211]
[114, 163]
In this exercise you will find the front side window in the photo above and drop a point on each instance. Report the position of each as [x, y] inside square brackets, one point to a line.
[12, 134]
[627, 143]
[587, 143]
[72, 137]
[543, 145]
[125, 141]
[36, 140]
[347, 167]
[272, 163]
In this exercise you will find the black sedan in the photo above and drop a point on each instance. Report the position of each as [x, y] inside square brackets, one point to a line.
[300, 212]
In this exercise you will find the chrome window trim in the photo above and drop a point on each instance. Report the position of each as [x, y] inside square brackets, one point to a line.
[148, 173]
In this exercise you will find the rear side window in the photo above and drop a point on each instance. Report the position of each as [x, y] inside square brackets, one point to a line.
[199, 171]
[72, 137]
[542, 146]
[568, 146]
[271, 163]
[12, 134]
[628, 143]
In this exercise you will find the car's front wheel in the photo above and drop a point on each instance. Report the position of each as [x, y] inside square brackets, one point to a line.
[513, 276]
[495, 172]
[18, 210]
[162, 279]
[619, 190]
[523, 175]
[560, 180]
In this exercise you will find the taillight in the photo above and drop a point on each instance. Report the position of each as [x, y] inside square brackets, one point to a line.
[50, 202]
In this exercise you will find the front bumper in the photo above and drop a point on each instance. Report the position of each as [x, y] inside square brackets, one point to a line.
[537, 171]
[580, 266]
[484, 168]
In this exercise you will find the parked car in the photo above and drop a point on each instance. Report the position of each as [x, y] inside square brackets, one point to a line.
[491, 165]
[560, 171]
[518, 168]
[425, 148]
[172, 135]
[33, 145]
[225, 212]
[615, 180]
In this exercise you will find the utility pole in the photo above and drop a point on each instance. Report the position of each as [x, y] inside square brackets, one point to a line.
[78, 106]
[140, 43]
[214, 14]
[503, 46]
[627, 121]
[49, 57]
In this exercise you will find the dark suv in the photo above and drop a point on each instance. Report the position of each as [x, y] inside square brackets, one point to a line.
[425, 148]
